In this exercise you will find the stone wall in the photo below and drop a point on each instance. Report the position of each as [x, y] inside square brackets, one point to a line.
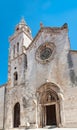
[2, 92]
[60, 69]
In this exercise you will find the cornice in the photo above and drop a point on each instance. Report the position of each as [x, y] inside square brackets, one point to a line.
[73, 51]
[3, 85]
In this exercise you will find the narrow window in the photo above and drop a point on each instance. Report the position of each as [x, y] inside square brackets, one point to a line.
[14, 51]
[15, 78]
[18, 47]
[25, 61]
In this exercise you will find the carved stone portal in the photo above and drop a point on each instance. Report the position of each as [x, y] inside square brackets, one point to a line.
[50, 106]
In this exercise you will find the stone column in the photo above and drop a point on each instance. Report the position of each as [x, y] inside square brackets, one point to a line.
[40, 112]
[61, 98]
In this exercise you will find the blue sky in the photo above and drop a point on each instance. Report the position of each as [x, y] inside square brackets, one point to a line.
[49, 12]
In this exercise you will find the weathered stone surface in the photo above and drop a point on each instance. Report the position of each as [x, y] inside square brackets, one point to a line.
[41, 83]
[2, 92]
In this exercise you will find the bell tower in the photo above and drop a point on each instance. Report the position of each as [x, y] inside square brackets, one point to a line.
[17, 65]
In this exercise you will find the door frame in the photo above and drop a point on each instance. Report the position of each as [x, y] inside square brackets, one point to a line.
[57, 112]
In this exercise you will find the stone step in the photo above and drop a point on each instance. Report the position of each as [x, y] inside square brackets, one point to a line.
[50, 127]
[17, 128]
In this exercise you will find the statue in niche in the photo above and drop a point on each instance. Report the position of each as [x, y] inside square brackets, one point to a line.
[50, 98]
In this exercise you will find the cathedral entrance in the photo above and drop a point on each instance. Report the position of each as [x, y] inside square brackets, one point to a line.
[50, 115]
[16, 115]
[50, 105]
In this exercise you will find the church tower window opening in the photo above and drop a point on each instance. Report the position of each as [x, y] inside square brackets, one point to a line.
[17, 47]
[14, 51]
[25, 61]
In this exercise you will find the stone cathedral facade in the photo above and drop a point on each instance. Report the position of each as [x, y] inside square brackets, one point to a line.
[42, 80]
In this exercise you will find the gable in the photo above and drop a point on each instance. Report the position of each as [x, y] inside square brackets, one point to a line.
[56, 36]
[52, 68]
[50, 34]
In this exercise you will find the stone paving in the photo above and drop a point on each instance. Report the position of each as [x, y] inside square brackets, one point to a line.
[55, 128]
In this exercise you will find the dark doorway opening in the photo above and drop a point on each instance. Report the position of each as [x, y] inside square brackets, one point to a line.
[51, 115]
[16, 115]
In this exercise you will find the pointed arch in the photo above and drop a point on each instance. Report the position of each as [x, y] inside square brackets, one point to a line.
[49, 100]
[49, 86]
[16, 115]
[48, 90]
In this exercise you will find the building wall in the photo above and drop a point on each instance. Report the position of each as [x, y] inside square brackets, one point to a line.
[53, 71]
[2, 92]
[13, 96]
[60, 70]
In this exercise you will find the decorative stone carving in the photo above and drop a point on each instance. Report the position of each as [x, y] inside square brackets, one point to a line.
[45, 52]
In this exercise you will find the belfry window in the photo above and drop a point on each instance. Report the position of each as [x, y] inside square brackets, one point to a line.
[25, 61]
[14, 51]
[17, 47]
[15, 78]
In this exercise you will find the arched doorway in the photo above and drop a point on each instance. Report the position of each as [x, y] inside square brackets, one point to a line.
[16, 115]
[50, 105]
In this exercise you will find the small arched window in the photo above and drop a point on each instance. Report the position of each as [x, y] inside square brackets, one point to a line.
[17, 47]
[15, 78]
